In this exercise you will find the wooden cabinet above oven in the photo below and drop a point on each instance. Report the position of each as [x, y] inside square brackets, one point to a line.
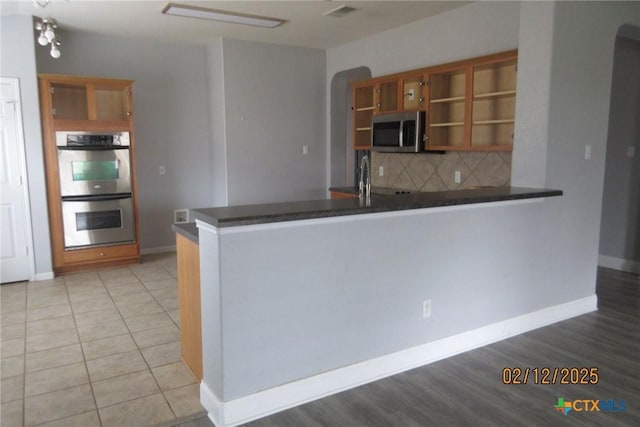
[75, 103]
[94, 106]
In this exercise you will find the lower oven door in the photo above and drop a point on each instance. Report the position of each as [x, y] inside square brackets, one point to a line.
[97, 220]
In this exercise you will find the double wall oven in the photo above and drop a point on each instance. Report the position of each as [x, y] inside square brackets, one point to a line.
[95, 187]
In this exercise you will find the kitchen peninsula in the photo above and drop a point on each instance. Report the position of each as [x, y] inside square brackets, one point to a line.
[305, 299]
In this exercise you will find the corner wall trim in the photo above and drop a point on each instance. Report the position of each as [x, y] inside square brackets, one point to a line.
[619, 264]
[49, 275]
[244, 409]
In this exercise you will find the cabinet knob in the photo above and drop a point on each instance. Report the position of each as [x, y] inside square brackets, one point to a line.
[421, 99]
[128, 113]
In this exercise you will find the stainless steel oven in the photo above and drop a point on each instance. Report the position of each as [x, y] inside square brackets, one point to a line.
[93, 163]
[97, 220]
[95, 185]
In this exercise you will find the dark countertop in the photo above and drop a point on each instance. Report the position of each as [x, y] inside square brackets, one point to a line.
[291, 211]
[188, 230]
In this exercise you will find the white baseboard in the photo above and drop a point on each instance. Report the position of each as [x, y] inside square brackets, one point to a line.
[619, 264]
[276, 399]
[157, 250]
[49, 275]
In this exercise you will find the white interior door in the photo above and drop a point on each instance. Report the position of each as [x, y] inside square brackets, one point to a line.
[15, 261]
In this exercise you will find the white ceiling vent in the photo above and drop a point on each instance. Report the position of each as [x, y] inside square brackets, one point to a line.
[341, 11]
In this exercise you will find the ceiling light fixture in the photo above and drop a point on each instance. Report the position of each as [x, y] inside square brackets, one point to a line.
[47, 29]
[221, 15]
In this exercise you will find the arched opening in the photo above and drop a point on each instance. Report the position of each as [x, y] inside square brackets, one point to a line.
[620, 222]
[342, 164]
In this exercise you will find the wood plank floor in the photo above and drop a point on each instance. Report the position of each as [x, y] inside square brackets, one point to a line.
[467, 389]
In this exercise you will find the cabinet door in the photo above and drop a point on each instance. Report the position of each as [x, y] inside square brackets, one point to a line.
[363, 101]
[387, 96]
[447, 109]
[112, 102]
[69, 101]
[82, 100]
[494, 100]
[414, 90]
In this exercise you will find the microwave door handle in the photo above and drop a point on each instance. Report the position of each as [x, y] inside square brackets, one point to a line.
[400, 138]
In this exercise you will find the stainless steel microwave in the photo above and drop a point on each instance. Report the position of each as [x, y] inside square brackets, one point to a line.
[398, 132]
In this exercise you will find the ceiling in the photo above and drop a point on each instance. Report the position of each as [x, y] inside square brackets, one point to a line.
[306, 26]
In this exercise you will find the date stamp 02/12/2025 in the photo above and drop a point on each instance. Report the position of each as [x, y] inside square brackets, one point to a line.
[569, 376]
[550, 375]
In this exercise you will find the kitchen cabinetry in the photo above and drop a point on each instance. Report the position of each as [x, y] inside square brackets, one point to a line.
[447, 108]
[363, 99]
[414, 92]
[342, 195]
[76, 103]
[470, 104]
[188, 254]
[85, 105]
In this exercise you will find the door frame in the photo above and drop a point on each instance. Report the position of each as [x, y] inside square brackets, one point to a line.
[15, 82]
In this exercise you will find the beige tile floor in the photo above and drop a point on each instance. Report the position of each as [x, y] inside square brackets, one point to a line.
[95, 349]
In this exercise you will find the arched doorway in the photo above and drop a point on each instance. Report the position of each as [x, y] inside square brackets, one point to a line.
[342, 163]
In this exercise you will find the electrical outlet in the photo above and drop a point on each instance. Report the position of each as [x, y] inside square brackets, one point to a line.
[587, 152]
[411, 94]
[426, 308]
[162, 170]
[381, 170]
[457, 177]
[180, 216]
[305, 150]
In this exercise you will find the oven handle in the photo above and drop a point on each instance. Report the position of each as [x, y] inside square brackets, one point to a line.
[100, 198]
[93, 147]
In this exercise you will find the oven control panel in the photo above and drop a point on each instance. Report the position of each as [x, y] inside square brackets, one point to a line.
[92, 139]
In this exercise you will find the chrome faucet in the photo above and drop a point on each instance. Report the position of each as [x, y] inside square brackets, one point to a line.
[364, 190]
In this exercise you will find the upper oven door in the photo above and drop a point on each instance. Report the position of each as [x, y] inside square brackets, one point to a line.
[93, 170]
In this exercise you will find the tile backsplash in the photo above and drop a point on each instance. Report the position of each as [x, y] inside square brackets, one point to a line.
[436, 172]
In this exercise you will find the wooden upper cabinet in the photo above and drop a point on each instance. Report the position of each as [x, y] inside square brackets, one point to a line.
[80, 103]
[447, 108]
[470, 104]
[363, 108]
[414, 92]
[387, 96]
[494, 105]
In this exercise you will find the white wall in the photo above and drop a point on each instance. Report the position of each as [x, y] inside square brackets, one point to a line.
[217, 123]
[580, 91]
[360, 293]
[454, 35]
[535, 42]
[171, 119]
[274, 103]
[17, 59]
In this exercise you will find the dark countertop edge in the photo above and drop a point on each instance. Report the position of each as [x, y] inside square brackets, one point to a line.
[314, 209]
[188, 230]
